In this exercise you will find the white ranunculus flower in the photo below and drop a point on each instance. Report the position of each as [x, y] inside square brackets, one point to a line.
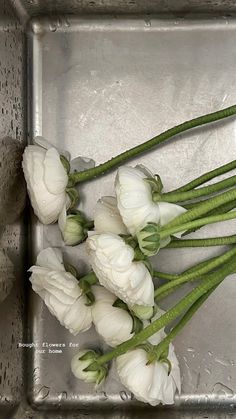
[46, 180]
[135, 203]
[81, 361]
[107, 218]
[150, 383]
[114, 324]
[60, 291]
[112, 261]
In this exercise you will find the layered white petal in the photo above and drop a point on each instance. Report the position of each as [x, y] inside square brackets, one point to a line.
[149, 383]
[51, 258]
[169, 211]
[107, 218]
[134, 199]
[60, 291]
[55, 176]
[112, 323]
[112, 261]
[41, 169]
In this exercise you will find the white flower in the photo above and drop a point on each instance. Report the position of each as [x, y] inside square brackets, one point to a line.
[81, 361]
[149, 383]
[107, 218]
[46, 180]
[114, 324]
[60, 291]
[112, 261]
[135, 202]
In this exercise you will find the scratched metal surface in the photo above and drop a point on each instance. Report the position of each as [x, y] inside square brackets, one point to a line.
[12, 237]
[29, 8]
[99, 86]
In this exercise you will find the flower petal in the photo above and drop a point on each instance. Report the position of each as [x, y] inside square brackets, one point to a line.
[107, 218]
[51, 258]
[55, 176]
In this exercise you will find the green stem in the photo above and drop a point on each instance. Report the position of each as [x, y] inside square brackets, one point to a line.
[170, 277]
[90, 278]
[164, 275]
[190, 276]
[197, 193]
[189, 270]
[203, 208]
[213, 279]
[206, 177]
[222, 209]
[166, 232]
[164, 344]
[211, 241]
[148, 145]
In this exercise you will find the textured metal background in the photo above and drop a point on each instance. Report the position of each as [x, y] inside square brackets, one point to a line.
[101, 85]
[12, 123]
[174, 7]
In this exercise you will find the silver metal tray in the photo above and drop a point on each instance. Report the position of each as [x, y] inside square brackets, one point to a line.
[99, 84]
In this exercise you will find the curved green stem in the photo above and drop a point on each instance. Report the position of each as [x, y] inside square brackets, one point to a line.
[166, 232]
[190, 276]
[164, 344]
[211, 241]
[222, 209]
[170, 277]
[164, 275]
[197, 193]
[213, 280]
[148, 145]
[206, 177]
[202, 209]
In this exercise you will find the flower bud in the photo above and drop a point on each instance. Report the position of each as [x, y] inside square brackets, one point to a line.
[149, 239]
[142, 312]
[74, 232]
[81, 364]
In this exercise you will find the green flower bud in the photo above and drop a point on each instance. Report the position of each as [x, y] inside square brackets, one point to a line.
[142, 312]
[84, 367]
[74, 231]
[149, 239]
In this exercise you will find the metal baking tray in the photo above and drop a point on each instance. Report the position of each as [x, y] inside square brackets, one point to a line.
[97, 85]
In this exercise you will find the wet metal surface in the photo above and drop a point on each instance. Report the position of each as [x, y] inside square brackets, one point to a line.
[99, 86]
[12, 237]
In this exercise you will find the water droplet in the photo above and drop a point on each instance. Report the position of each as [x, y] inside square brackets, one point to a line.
[43, 392]
[62, 396]
[208, 371]
[124, 396]
[222, 390]
[103, 396]
[67, 22]
[224, 362]
[53, 26]
[210, 353]
[147, 23]
[190, 349]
